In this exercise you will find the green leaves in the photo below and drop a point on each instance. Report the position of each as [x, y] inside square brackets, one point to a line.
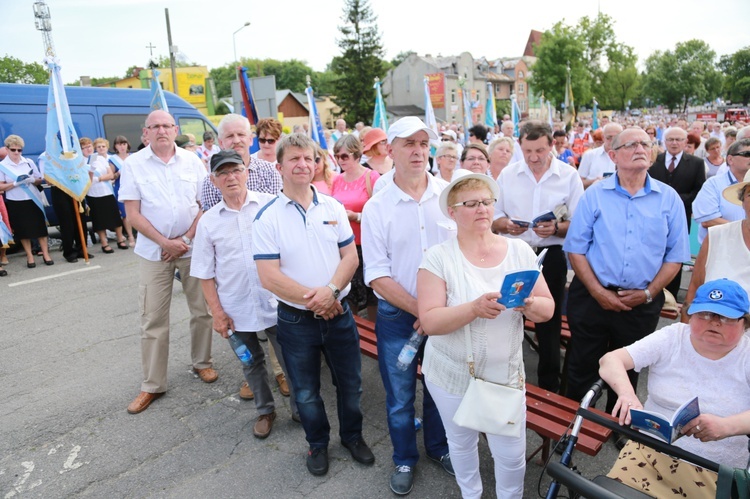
[14, 70]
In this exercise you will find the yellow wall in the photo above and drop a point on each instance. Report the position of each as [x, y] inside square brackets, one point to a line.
[191, 83]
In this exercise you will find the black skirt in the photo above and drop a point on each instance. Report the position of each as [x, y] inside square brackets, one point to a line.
[26, 219]
[104, 213]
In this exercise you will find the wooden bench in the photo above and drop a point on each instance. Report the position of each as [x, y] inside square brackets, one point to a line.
[547, 414]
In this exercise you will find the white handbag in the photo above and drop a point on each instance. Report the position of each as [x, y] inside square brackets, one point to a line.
[489, 407]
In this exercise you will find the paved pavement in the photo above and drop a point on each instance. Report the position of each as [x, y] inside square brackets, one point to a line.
[70, 364]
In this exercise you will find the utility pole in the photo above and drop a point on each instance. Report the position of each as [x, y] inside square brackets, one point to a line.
[172, 52]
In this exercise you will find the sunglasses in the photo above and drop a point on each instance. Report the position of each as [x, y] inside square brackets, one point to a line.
[744, 154]
[11, 149]
[342, 157]
[267, 141]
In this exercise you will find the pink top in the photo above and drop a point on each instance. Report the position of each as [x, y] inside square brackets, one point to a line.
[322, 186]
[353, 195]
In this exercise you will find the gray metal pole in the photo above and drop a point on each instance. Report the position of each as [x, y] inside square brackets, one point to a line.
[171, 53]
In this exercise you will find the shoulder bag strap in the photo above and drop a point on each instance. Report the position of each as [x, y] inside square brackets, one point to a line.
[368, 183]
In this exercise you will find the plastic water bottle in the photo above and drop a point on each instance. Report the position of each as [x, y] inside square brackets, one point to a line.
[406, 357]
[240, 349]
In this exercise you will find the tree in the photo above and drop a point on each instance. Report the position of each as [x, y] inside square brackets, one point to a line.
[14, 70]
[360, 62]
[600, 66]
[675, 78]
[560, 46]
[289, 74]
[736, 69]
[401, 57]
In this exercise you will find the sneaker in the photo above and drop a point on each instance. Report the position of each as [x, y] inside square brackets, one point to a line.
[445, 462]
[360, 451]
[317, 461]
[402, 480]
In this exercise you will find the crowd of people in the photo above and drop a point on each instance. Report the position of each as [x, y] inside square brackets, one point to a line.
[416, 230]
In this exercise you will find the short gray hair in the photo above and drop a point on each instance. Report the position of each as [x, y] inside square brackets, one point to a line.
[298, 140]
[446, 147]
[232, 118]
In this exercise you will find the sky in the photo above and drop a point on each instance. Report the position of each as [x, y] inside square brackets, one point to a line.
[103, 38]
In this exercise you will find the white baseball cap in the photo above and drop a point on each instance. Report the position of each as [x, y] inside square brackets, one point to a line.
[408, 126]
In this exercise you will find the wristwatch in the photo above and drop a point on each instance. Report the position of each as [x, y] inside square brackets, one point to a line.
[187, 240]
[649, 299]
[336, 291]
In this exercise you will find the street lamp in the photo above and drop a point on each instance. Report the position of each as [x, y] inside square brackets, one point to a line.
[234, 40]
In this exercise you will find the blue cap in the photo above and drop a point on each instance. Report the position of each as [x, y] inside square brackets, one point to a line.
[723, 297]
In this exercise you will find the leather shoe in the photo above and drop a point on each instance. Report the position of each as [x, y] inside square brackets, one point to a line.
[245, 392]
[445, 462]
[142, 401]
[283, 386]
[360, 451]
[264, 425]
[402, 480]
[207, 375]
[71, 259]
[317, 461]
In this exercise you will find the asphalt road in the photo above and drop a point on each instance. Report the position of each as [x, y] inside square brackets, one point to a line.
[70, 364]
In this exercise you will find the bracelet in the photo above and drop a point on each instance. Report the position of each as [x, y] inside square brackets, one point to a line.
[555, 233]
[359, 217]
[649, 299]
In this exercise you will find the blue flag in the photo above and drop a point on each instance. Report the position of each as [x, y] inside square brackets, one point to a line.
[316, 127]
[429, 112]
[490, 112]
[595, 122]
[248, 104]
[158, 101]
[380, 120]
[64, 164]
[467, 114]
[515, 113]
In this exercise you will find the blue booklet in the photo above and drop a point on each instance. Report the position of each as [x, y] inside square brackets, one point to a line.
[517, 286]
[662, 427]
[544, 217]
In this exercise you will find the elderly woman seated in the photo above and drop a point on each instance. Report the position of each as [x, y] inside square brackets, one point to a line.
[709, 358]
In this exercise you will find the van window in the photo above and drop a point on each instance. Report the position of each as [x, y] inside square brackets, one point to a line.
[129, 125]
[32, 128]
[196, 126]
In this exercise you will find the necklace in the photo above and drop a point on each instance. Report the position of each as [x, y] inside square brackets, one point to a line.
[481, 258]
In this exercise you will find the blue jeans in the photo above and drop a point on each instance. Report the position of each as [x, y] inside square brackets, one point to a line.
[302, 339]
[393, 328]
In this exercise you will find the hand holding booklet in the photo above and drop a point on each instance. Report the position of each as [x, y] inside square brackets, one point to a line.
[517, 285]
[544, 217]
[661, 427]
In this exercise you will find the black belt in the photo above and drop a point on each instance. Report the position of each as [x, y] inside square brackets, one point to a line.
[614, 288]
[539, 249]
[308, 314]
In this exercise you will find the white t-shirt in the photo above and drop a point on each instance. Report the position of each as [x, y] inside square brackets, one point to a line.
[678, 373]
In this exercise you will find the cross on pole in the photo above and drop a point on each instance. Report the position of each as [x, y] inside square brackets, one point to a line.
[151, 48]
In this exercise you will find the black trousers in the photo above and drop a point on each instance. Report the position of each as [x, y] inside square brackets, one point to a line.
[555, 272]
[66, 217]
[595, 331]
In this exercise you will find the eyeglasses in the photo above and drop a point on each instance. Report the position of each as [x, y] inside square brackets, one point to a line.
[476, 159]
[11, 149]
[474, 203]
[267, 141]
[449, 156]
[633, 144]
[710, 316]
[675, 139]
[317, 160]
[167, 126]
[342, 157]
[233, 172]
[744, 154]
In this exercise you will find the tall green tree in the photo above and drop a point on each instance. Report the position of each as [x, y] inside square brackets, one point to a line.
[736, 69]
[687, 74]
[360, 62]
[600, 66]
[14, 70]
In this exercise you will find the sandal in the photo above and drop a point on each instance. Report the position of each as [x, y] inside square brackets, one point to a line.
[107, 249]
[131, 241]
[122, 244]
[3, 272]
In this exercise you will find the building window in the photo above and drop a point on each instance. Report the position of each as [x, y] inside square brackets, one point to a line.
[520, 75]
[522, 105]
[521, 88]
[453, 96]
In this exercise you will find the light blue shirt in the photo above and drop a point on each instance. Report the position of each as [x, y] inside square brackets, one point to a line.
[710, 204]
[625, 238]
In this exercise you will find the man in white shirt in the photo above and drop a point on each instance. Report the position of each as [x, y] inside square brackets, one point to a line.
[304, 248]
[208, 148]
[159, 186]
[507, 130]
[529, 189]
[340, 130]
[399, 224]
[223, 261]
[596, 163]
